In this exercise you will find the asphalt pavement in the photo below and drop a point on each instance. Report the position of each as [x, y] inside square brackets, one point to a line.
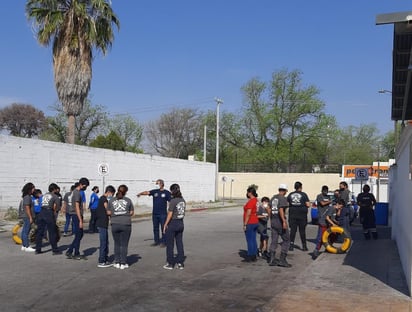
[368, 277]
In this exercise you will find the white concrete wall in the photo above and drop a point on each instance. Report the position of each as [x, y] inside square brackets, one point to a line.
[400, 195]
[268, 183]
[43, 162]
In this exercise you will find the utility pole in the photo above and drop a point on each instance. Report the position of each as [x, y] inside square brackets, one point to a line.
[204, 143]
[218, 102]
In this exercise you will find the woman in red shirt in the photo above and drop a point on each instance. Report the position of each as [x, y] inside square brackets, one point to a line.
[250, 224]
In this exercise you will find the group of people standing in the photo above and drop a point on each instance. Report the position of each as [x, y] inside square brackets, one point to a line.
[257, 215]
[113, 208]
[332, 211]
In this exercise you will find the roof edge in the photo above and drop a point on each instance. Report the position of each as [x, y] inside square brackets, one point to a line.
[391, 18]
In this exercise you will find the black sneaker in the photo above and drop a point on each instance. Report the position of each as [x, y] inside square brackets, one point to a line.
[69, 255]
[168, 266]
[38, 252]
[104, 265]
[180, 266]
[315, 254]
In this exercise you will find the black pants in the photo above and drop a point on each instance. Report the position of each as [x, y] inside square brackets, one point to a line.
[44, 219]
[92, 222]
[121, 236]
[174, 233]
[296, 222]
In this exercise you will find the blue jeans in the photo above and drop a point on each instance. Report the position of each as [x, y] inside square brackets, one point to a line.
[158, 220]
[121, 236]
[174, 233]
[67, 224]
[25, 232]
[78, 235]
[250, 234]
[104, 244]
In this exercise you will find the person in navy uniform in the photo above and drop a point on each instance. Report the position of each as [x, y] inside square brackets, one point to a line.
[161, 197]
[298, 210]
[366, 201]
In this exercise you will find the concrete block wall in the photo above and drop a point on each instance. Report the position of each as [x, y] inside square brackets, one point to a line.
[400, 199]
[43, 162]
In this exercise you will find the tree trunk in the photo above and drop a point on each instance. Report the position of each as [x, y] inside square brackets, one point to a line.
[70, 129]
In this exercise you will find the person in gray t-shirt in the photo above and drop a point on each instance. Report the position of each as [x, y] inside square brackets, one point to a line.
[27, 214]
[121, 210]
[47, 218]
[77, 220]
[279, 227]
[324, 205]
[173, 229]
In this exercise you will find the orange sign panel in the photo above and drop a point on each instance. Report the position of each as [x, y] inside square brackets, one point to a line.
[349, 171]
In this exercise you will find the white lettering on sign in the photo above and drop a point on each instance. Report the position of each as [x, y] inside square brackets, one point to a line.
[361, 173]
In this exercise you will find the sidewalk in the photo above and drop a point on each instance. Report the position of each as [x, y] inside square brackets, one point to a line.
[367, 278]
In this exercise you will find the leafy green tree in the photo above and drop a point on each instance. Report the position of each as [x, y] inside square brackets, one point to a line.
[129, 130]
[76, 28]
[356, 145]
[91, 121]
[111, 141]
[22, 120]
[387, 150]
[282, 118]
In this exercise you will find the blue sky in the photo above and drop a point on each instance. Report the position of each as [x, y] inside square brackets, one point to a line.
[183, 53]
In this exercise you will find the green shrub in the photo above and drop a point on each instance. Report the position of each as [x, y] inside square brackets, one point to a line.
[11, 214]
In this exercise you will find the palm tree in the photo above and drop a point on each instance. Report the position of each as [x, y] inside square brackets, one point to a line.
[76, 28]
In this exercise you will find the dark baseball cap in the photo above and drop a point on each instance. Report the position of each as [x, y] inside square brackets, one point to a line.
[84, 181]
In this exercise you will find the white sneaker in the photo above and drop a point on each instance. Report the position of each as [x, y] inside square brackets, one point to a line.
[29, 249]
[124, 266]
[116, 265]
[23, 248]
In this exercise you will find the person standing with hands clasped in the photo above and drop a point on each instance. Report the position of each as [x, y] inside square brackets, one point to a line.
[173, 229]
[250, 224]
[161, 197]
[121, 211]
[298, 215]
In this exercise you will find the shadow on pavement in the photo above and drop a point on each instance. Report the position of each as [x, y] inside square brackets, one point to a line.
[377, 258]
[89, 251]
[132, 259]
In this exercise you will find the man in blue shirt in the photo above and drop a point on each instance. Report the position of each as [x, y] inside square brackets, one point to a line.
[161, 197]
